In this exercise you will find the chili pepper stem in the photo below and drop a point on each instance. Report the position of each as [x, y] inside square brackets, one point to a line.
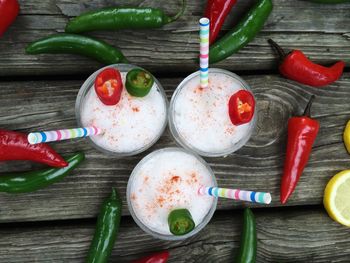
[281, 53]
[180, 13]
[307, 111]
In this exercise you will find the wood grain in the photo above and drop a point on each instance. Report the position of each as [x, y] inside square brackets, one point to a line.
[283, 236]
[174, 48]
[46, 105]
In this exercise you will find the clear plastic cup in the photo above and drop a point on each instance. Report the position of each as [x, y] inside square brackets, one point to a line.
[174, 118]
[140, 218]
[89, 84]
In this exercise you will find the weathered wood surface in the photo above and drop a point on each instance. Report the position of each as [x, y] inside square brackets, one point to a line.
[283, 236]
[46, 105]
[322, 31]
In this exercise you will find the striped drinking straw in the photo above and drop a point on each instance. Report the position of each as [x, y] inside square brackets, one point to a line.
[237, 194]
[59, 135]
[204, 29]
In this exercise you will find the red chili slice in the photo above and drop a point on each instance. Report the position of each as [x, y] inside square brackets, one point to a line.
[109, 86]
[241, 107]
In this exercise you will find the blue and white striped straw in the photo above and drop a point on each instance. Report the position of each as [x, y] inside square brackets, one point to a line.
[59, 135]
[204, 30]
[237, 194]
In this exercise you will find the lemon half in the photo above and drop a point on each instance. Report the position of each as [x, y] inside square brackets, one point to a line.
[336, 198]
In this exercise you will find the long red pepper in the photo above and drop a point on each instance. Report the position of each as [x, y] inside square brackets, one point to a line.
[298, 67]
[9, 10]
[302, 132]
[159, 257]
[217, 11]
[15, 146]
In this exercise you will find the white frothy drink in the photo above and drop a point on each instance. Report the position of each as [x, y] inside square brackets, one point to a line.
[199, 117]
[165, 180]
[131, 125]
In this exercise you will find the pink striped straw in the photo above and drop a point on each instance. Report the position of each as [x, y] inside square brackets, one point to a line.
[204, 29]
[236, 194]
[59, 135]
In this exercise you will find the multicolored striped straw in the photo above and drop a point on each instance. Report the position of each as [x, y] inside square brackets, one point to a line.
[60, 135]
[204, 28]
[237, 194]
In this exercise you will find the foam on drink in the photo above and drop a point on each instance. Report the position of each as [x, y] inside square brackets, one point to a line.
[168, 180]
[128, 126]
[200, 116]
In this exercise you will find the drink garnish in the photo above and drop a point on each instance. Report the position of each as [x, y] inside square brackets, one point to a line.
[139, 82]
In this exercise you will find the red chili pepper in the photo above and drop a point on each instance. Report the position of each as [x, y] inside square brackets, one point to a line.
[109, 86]
[241, 107]
[298, 67]
[15, 146]
[217, 11]
[302, 132]
[160, 257]
[9, 10]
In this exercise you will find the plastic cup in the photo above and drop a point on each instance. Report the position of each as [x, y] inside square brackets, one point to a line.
[173, 117]
[140, 220]
[83, 92]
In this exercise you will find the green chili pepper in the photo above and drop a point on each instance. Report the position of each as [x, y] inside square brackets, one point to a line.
[247, 250]
[180, 222]
[34, 180]
[76, 44]
[139, 82]
[121, 18]
[106, 229]
[330, 1]
[243, 33]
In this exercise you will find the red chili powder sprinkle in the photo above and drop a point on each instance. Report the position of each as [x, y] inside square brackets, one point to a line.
[160, 200]
[135, 109]
[133, 196]
[145, 179]
[194, 177]
[175, 179]
[230, 130]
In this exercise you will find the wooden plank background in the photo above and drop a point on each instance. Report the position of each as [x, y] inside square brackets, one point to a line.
[322, 31]
[47, 105]
[283, 236]
[38, 93]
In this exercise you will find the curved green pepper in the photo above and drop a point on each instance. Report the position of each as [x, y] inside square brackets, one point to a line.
[243, 33]
[76, 44]
[248, 248]
[106, 229]
[138, 82]
[115, 18]
[180, 222]
[330, 1]
[34, 180]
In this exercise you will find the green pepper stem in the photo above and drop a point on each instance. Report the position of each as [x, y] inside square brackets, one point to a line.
[179, 14]
[280, 51]
[307, 111]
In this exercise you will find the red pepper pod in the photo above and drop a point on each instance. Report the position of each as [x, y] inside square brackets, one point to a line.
[159, 257]
[217, 11]
[9, 10]
[15, 146]
[302, 132]
[296, 66]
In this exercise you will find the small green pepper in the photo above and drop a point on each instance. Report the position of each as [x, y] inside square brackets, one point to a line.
[76, 44]
[138, 82]
[115, 18]
[34, 180]
[243, 33]
[180, 222]
[107, 227]
[247, 250]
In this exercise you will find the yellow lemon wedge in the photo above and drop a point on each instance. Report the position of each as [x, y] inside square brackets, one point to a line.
[336, 198]
[346, 137]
